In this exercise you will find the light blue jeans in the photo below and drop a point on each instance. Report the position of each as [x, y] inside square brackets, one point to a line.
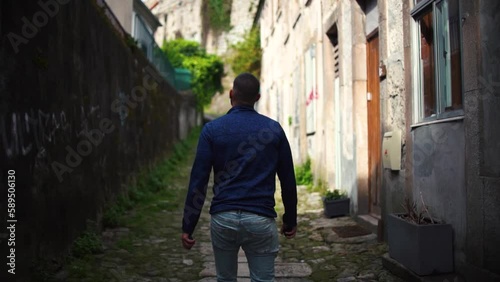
[256, 235]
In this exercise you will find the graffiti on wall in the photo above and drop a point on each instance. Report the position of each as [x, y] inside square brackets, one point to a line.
[24, 132]
[313, 95]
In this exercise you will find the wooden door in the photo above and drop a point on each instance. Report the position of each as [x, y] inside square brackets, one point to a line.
[374, 133]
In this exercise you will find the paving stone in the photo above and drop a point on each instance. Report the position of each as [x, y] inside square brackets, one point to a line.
[213, 279]
[317, 249]
[366, 276]
[152, 273]
[318, 261]
[316, 237]
[282, 270]
[61, 275]
[332, 237]
[346, 279]
[158, 241]
[187, 262]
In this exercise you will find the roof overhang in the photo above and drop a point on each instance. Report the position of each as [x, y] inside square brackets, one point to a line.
[145, 13]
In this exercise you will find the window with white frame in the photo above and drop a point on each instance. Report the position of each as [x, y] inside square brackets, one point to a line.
[437, 59]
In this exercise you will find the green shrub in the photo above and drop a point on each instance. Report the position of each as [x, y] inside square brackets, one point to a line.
[303, 174]
[137, 195]
[320, 187]
[88, 243]
[335, 195]
[149, 182]
[207, 70]
[246, 55]
[125, 243]
[219, 14]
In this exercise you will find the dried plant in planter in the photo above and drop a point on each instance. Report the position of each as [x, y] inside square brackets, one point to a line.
[418, 241]
[413, 214]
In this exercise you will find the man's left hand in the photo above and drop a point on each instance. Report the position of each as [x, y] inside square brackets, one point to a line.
[288, 232]
[187, 241]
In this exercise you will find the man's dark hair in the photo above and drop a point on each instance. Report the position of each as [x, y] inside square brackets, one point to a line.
[246, 88]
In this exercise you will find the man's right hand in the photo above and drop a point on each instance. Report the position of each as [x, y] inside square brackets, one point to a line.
[288, 232]
[187, 241]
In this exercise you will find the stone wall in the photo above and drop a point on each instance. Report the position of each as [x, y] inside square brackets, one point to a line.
[489, 100]
[242, 18]
[482, 166]
[179, 19]
[452, 164]
[392, 99]
[184, 19]
[81, 111]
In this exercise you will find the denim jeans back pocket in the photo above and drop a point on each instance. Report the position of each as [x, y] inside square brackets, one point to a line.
[261, 236]
[224, 232]
[260, 226]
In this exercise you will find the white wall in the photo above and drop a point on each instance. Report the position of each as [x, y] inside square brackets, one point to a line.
[123, 10]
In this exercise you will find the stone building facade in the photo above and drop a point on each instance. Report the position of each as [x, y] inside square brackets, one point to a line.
[342, 76]
[183, 19]
[179, 19]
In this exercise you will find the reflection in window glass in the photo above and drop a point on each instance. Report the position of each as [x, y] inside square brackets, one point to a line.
[428, 63]
[455, 101]
[440, 58]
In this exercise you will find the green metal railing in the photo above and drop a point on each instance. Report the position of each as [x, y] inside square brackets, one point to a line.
[183, 79]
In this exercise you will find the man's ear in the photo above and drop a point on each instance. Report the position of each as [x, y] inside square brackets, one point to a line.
[258, 97]
[231, 94]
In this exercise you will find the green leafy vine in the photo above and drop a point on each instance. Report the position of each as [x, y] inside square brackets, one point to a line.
[246, 55]
[207, 69]
[219, 14]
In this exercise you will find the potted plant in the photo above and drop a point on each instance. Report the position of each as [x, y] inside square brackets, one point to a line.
[421, 243]
[336, 203]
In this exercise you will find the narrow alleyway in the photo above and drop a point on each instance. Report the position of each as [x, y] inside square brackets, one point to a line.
[147, 246]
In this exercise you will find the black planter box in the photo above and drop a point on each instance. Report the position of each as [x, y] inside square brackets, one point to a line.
[335, 208]
[423, 249]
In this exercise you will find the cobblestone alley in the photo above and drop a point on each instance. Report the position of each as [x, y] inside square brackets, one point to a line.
[147, 247]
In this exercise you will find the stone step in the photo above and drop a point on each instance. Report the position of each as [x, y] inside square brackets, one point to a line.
[213, 279]
[281, 269]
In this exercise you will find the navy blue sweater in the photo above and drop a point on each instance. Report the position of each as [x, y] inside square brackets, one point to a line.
[245, 150]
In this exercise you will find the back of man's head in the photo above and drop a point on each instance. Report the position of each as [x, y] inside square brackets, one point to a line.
[246, 88]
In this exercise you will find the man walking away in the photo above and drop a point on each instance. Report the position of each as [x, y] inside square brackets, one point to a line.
[245, 150]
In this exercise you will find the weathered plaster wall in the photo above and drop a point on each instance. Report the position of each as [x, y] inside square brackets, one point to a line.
[178, 19]
[438, 175]
[188, 114]
[454, 164]
[360, 108]
[123, 11]
[490, 136]
[288, 32]
[80, 113]
[490, 84]
[330, 28]
[392, 96]
[482, 102]
[348, 142]
[283, 71]
[242, 17]
[183, 19]
[329, 108]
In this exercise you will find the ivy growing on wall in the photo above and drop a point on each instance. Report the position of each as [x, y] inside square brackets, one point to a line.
[246, 55]
[207, 69]
[219, 14]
